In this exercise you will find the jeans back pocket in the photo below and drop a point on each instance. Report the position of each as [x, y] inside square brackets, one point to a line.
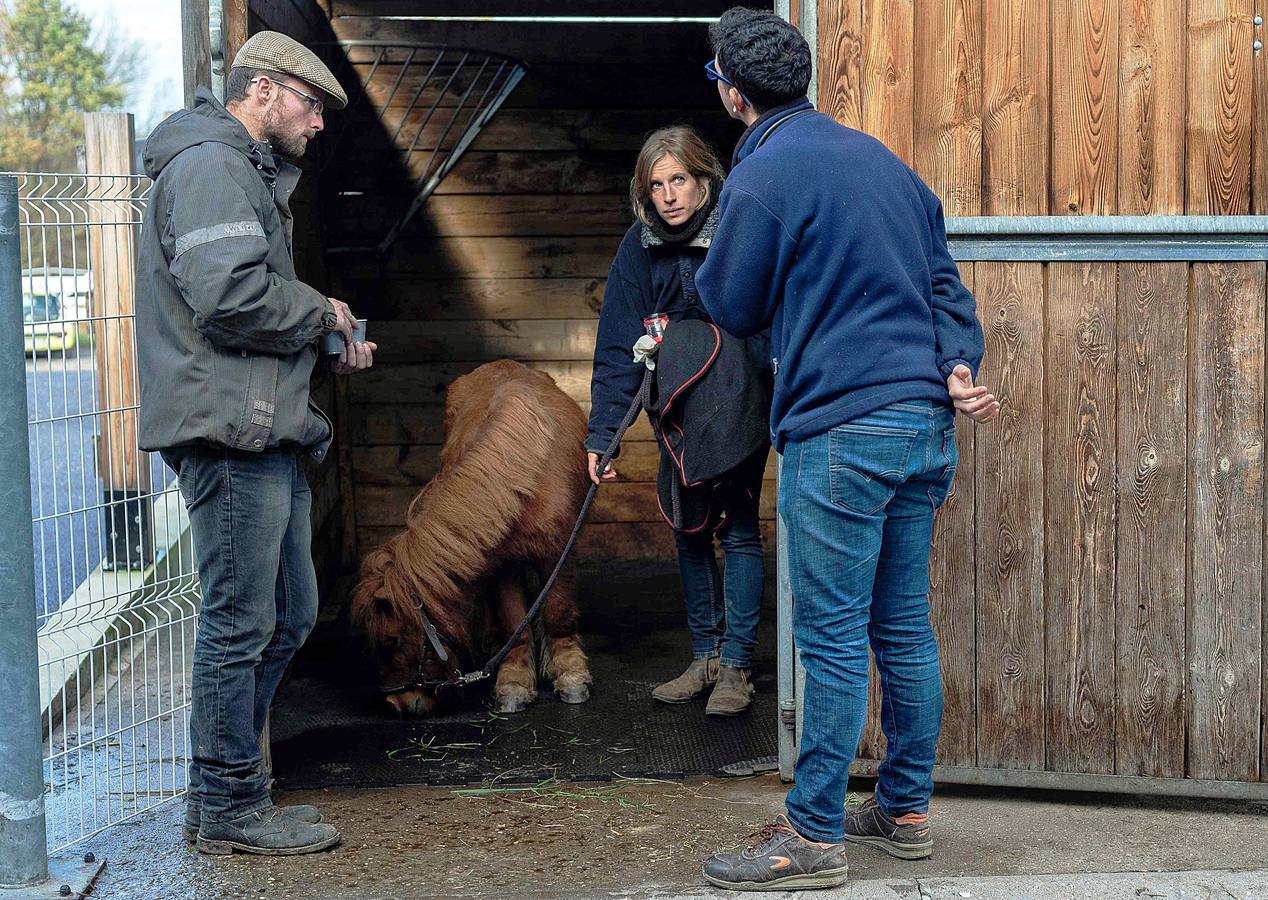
[866, 463]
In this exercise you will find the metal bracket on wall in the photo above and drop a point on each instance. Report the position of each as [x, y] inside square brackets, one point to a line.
[1107, 238]
[457, 93]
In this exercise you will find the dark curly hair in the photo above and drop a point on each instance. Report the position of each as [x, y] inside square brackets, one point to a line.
[764, 55]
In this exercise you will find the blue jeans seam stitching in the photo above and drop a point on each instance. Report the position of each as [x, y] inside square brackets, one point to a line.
[280, 626]
[887, 711]
[227, 542]
[713, 600]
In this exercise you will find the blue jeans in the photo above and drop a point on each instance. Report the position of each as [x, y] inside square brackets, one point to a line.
[722, 615]
[249, 517]
[859, 503]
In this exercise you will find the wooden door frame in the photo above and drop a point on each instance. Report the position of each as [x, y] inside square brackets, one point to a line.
[212, 32]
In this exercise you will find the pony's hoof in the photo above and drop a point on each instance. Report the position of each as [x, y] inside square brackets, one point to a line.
[511, 701]
[579, 693]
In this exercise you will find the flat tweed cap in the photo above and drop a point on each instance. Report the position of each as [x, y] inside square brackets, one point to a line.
[279, 53]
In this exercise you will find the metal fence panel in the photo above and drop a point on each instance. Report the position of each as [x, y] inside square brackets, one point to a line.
[116, 588]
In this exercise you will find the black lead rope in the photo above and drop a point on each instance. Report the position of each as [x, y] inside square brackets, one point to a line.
[640, 399]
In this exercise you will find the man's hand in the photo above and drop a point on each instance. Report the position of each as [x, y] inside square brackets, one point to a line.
[345, 322]
[355, 358]
[978, 403]
[609, 474]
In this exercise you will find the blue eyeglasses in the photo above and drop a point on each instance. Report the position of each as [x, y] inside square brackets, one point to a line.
[711, 72]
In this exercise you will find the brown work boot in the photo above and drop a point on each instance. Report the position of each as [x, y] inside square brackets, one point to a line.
[732, 695]
[265, 832]
[194, 817]
[700, 675]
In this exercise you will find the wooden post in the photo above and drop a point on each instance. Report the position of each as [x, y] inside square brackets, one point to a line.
[195, 47]
[234, 29]
[112, 237]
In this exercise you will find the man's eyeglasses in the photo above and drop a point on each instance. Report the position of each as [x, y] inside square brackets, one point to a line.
[315, 104]
[712, 73]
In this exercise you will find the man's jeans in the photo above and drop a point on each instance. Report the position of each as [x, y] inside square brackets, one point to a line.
[248, 513]
[722, 614]
[859, 503]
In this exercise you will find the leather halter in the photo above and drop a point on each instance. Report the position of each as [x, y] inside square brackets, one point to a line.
[433, 637]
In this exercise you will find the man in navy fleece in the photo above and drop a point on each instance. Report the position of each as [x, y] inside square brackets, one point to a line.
[835, 244]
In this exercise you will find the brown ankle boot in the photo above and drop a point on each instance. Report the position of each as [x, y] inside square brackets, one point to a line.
[732, 695]
[699, 677]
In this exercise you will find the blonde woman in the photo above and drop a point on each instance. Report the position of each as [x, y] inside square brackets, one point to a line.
[674, 193]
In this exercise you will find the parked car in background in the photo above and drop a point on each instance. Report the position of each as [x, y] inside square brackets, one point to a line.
[56, 307]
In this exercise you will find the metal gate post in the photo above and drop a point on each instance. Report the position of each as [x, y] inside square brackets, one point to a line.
[786, 679]
[23, 843]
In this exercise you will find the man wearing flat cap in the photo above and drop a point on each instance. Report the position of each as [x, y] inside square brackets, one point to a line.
[227, 340]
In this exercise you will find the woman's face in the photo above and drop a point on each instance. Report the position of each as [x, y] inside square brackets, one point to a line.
[675, 192]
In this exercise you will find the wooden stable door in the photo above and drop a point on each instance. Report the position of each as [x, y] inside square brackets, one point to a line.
[1098, 573]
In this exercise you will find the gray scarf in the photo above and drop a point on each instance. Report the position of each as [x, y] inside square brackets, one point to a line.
[702, 238]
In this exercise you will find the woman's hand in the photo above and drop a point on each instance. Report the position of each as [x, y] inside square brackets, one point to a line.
[978, 403]
[609, 474]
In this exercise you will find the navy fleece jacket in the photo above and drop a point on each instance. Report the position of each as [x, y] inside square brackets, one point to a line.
[643, 280]
[835, 244]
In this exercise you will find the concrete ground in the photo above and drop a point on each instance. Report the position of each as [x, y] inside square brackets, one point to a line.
[640, 839]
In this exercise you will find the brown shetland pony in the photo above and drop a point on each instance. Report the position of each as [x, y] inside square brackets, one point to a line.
[512, 479]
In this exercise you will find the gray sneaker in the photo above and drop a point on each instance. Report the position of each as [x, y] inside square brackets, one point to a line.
[905, 837]
[265, 832]
[193, 817]
[779, 859]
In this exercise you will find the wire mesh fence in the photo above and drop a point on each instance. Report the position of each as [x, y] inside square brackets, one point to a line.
[116, 586]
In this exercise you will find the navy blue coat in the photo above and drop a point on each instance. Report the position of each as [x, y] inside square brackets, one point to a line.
[834, 244]
[642, 280]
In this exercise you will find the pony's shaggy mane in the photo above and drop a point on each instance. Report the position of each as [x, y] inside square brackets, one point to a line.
[470, 508]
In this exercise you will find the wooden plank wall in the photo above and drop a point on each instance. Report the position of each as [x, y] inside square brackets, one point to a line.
[509, 258]
[1034, 107]
[1098, 572]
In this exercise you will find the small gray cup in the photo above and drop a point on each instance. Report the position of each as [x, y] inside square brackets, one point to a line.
[332, 343]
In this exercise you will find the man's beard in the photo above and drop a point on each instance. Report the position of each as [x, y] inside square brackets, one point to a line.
[292, 145]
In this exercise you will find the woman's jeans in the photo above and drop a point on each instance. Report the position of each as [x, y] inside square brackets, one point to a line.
[859, 503]
[249, 516]
[722, 615]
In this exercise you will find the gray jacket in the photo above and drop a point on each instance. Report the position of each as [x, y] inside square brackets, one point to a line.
[226, 334]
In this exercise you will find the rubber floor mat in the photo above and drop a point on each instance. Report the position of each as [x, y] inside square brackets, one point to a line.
[328, 729]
